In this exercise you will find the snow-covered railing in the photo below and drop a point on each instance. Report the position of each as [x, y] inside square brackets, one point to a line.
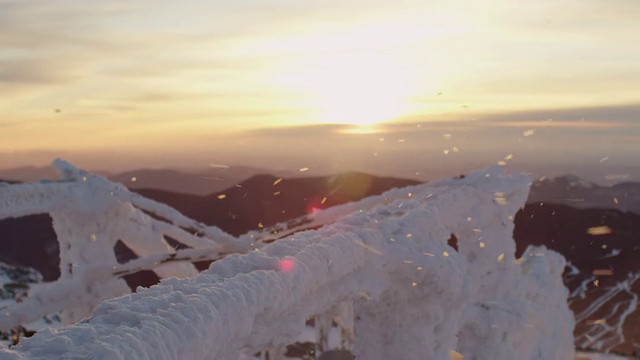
[428, 274]
[90, 214]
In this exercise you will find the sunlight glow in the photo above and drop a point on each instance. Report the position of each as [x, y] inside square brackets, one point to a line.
[361, 89]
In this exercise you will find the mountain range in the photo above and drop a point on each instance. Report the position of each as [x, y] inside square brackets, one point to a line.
[599, 236]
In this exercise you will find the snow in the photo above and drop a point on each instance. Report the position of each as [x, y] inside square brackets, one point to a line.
[387, 265]
[90, 215]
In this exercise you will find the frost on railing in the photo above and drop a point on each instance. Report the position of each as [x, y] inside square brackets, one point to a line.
[425, 272]
[90, 215]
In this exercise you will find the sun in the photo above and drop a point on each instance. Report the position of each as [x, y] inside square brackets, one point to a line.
[362, 89]
[359, 89]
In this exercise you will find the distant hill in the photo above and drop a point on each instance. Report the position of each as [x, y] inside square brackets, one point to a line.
[264, 200]
[575, 192]
[201, 182]
[197, 182]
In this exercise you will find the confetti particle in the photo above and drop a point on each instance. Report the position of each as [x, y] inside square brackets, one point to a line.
[501, 163]
[401, 140]
[93, 237]
[414, 284]
[454, 355]
[276, 193]
[477, 230]
[446, 136]
[508, 157]
[222, 196]
[529, 132]
[599, 230]
[446, 151]
[419, 268]
[445, 254]
[278, 181]
[304, 169]
[596, 282]
[429, 254]
[604, 159]
[408, 262]
[501, 201]
[134, 179]
[455, 149]
[469, 218]
[482, 245]
[615, 201]
[409, 235]
[500, 257]
[260, 225]
[324, 200]
[599, 322]
[602, 272]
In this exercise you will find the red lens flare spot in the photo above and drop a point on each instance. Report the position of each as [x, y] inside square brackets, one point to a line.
[286, 265]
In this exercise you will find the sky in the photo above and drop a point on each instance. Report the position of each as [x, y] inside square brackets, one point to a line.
[379, 86]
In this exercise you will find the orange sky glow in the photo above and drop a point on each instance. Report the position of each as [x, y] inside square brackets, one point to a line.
[198, 81]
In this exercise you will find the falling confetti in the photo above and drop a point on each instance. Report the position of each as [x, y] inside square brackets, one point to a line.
[324, 200]
[278, 181]
[445, 254]
[276, 193]
[599, 230]
[414, 284]
[134, 179]
[604, 159]
[304, 169]
[615, 201]
[508, 157]
[222, 196]
[260, 225]
[446, 136]
[596, 282]
[454, 355]
[528, 133]
[482, 245]
[602, 272]
[93, 237]
[500, 257]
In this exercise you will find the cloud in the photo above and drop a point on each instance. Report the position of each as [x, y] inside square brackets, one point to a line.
[35, 71]
[597, 117]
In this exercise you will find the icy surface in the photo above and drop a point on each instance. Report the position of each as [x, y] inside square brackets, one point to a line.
[415, 293]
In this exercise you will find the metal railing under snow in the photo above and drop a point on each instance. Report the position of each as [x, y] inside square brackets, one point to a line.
[425, 272]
